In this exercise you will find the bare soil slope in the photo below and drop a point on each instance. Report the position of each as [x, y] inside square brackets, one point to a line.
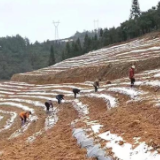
[117, 121]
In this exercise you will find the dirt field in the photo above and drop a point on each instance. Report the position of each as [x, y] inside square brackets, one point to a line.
[56, 143]
[128, 116]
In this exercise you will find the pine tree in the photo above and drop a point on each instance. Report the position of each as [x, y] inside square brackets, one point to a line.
[101, 32]
[79, 46]
[52, 57]
[86, 44]
[63, 55]
[68, 53]
[135, 11]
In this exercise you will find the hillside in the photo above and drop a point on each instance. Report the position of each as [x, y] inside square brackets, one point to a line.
[107, 63]
[117, 122]
[19, 55]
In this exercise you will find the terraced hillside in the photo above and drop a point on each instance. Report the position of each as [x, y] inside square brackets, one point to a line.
[111, 62]
[117, 122]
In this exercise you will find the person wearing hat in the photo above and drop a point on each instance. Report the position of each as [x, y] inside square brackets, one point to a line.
[131, 75]
[24, 115]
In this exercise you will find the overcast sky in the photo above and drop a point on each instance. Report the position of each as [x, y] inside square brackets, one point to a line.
[34, 18]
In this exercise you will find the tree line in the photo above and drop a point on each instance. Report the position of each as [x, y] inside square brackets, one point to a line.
[146, 22]
[18, 54]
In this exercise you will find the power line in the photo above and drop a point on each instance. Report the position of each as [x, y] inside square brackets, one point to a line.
[96, 25]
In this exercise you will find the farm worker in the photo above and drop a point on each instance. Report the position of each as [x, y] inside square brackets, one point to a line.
[48, 104]
[76, 91]
[24, 115]
[131, 75]
[59, 98]
[96, 84]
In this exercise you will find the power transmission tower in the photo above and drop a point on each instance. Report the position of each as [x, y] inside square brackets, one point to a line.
[135, 10]
[96, 25]
[56, 24]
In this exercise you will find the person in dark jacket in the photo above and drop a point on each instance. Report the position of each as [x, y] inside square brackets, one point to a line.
[48, 105]
[96, 84]
[131, 75]
[59, 98]
[76, 91]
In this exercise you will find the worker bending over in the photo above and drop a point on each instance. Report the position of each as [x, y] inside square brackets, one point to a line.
[76, 91]
[24, 115]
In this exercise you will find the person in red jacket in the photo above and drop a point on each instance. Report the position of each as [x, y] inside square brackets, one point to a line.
[131, 75]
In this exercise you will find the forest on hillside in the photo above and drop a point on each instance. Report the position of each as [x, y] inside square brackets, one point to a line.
[142, 23]
[18, 55]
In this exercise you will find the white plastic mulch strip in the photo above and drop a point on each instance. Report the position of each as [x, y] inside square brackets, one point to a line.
[17, 105]
[9, 121]
[11, 86]
[83, 139]
[53, 70]
[133, 93]
[35, 103]
[87, 91]
[23, 128]
[80, 107]
[126, 151]
[153, 83]
[5, 92]
[33, 137]
[87, 83]
[96, 128]
[1, 117]
[36, 97]
[157, 105]
[89, 123]
[10, 89]
[68, 93]
[137, 83]
[110, 100]
[109, 85]
[35, 90]
[62, 91]
[150, 71]
[56, 86]
[33, 74]
[52, 119]
[19, 83]
[37, 93]
[157, 75]
[144, 50]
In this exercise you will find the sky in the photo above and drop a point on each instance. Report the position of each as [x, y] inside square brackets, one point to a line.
[34, 18]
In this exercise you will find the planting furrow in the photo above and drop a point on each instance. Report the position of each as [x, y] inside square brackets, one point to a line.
[10, 121]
